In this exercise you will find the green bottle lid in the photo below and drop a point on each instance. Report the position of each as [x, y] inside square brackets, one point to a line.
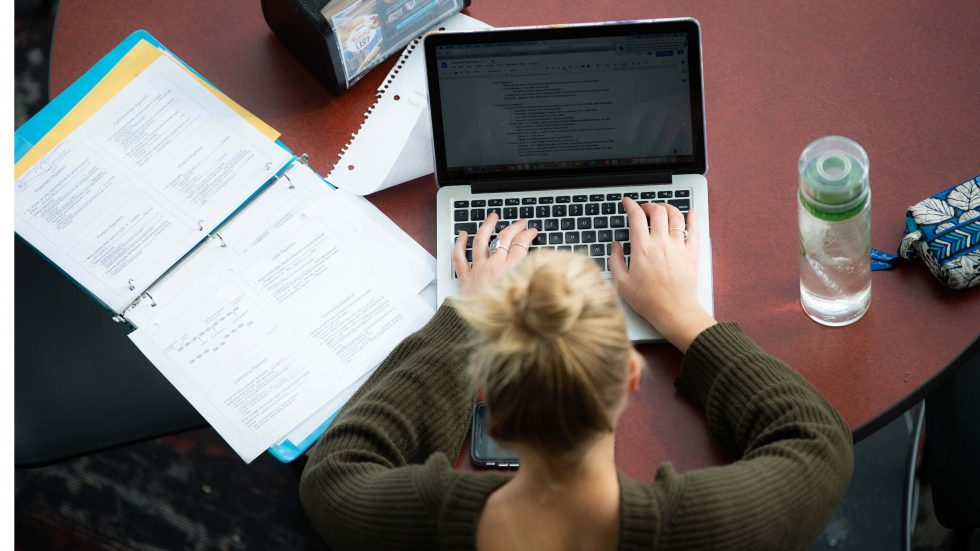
[834, 178]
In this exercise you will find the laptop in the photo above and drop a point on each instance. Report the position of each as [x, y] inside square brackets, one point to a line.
[557, 124]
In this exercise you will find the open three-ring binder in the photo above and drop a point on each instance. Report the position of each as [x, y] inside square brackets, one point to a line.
[259, 290]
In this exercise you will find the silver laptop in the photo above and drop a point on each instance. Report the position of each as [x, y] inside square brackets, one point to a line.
[557, 124]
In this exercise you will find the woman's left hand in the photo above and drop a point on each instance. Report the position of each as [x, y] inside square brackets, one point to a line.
[514, 243]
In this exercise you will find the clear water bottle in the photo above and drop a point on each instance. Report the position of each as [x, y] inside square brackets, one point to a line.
[835, 231]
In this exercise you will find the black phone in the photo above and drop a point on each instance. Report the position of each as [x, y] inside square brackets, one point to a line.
[484, 451]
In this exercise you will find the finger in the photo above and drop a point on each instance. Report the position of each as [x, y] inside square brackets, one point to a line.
[675, 220]
[459, 255]
[658, 220]
[507, 235]
[693, 231]
[481, 243]
[521, 245]
[617, 265]
[637, 221]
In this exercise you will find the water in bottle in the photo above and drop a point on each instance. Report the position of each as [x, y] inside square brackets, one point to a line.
[835, 231]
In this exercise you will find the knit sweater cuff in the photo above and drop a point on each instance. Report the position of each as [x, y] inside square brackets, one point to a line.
[446, 330]
[712, 351]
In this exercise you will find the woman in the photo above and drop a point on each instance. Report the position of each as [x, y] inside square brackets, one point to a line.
[546, 342]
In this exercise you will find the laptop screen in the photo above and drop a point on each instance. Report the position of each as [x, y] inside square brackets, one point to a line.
[615, 102]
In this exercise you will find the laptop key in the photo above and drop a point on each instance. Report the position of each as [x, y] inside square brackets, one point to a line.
[461, 215]
[681, 204]
[543, 211]
[461, 204]
[614, 197]
[501, 225]
[469, 241]
[601, 262]
[568, 223]
[648, 195]
[626, 248]
[580, 198]
[597, 249]
[682, 193]
[565, 248]
[621, 235]
[582, 249]
[596, 197]
[468, 227]
[551, 224]
[495, 203]
[555, 238]
[546, 200]
[588, 237]
[510, 213]
[527, 212]
[617, 221]
[478, 214]
[529, 201]
[605, 236]
[664, 194]
[620, 208]
[536, 224]
[469, 255]
[478, 203]
[563, 199]
[600, 222]
[541, 239]
[584, 223]
[512, 201]
[575, 210]
[559, 210]
[632, 195]
[592, 209]
[608, 249]
[492, 210]
[609, 208]
[572, 237]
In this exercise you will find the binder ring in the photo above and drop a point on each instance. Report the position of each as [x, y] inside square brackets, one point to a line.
[200, 225]
[131, 286]
[219, 238]
[153, 302]
[288, 179]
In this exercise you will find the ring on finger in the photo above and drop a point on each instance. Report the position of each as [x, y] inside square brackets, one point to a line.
[684, 232]
[521, 245]
[495, 244]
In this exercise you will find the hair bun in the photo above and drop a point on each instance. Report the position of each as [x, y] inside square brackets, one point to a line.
[549, 304]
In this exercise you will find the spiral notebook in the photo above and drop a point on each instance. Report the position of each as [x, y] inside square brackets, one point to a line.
[250, 282]
[394, 144]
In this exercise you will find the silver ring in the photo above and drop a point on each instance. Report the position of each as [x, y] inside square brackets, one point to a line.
[682, 230]
[495, 244]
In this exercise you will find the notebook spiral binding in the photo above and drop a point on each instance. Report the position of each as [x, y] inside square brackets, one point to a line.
[213, 236]
[379, 95]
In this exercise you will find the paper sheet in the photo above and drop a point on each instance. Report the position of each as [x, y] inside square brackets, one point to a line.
[259, 333]
[394, 145]
[135, 185]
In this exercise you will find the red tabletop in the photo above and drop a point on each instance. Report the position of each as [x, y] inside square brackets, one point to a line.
[900, 79]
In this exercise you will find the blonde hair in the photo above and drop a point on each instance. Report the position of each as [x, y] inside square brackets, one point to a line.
[551, 353]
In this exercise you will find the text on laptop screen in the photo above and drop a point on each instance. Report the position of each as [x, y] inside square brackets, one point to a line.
[566, 104]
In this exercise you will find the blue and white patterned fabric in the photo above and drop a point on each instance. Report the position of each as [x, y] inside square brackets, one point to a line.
[944, 230]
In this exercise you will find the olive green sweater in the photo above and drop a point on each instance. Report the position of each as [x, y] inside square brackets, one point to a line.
[382, 478]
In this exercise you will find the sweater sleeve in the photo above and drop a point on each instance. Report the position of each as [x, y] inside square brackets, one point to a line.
[795, 452]
[376, 478]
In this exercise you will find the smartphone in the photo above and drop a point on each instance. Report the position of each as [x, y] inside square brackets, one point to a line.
[484, 451]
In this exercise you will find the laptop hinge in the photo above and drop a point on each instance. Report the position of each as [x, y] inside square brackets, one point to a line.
[591, 180]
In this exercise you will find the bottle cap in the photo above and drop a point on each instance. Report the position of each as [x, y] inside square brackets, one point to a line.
[834, 177]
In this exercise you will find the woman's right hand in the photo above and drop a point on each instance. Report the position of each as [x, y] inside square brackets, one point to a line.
[660, 282]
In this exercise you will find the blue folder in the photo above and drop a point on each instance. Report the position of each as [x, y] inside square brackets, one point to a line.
[31, 132]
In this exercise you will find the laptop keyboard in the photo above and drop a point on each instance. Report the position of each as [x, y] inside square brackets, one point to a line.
[585, 224]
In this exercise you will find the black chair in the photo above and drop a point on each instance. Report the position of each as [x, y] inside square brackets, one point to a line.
[80, 385]
[952, 451]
